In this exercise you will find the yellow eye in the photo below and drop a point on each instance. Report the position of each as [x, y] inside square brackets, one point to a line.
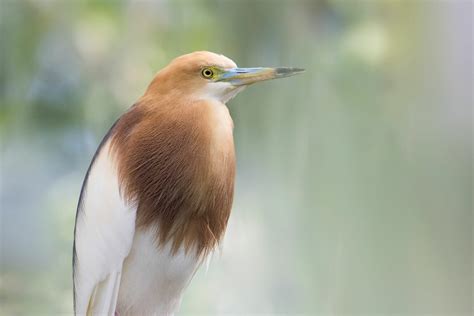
[207, 73]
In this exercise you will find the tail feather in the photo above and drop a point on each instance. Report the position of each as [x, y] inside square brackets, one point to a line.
[103, 300]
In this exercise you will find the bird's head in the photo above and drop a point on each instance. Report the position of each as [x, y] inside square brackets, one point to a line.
[206, 75]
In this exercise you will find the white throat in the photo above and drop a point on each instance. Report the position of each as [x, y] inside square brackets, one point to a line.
[219, 91]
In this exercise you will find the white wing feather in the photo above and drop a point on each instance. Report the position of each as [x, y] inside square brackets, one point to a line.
[105, 227]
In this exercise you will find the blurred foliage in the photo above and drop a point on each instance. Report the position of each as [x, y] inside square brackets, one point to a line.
[354, 188]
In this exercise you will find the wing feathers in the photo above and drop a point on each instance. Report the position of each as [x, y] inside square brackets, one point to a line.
[104, 297]
[105, 226]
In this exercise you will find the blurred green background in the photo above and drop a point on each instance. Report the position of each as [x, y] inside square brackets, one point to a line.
[354, 186]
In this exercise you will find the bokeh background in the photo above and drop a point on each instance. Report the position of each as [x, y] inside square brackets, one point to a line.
[354, 185]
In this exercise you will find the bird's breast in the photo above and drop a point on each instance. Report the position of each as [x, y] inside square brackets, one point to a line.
[178, 166]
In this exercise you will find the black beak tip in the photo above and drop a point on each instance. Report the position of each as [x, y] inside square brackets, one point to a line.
[288, 71]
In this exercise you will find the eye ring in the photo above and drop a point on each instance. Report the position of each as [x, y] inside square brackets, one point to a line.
[207, 73]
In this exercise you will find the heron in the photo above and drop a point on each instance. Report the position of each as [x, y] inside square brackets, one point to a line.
[157, 195]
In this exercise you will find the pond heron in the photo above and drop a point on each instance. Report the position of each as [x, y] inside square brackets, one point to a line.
[158, 193]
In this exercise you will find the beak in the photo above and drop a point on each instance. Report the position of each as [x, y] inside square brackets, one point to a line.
[246, 76]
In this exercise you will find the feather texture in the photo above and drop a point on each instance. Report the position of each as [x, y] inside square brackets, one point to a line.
[177, 165]
[105, 227]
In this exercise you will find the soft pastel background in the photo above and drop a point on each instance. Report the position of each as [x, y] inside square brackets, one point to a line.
[354, 187]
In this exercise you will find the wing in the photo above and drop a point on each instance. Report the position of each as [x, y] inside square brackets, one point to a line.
[105, 226]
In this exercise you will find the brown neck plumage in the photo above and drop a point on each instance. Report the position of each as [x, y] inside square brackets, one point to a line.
[168, 168]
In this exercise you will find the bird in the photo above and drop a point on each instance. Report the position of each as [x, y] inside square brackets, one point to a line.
[157, 195]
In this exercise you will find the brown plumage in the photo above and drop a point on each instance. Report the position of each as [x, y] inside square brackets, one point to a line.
[168, 165]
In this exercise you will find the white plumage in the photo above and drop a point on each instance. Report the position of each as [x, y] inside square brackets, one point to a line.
[116, 266]
[105, 227]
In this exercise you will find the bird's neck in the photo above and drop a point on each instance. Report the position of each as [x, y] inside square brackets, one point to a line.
[177, 164]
